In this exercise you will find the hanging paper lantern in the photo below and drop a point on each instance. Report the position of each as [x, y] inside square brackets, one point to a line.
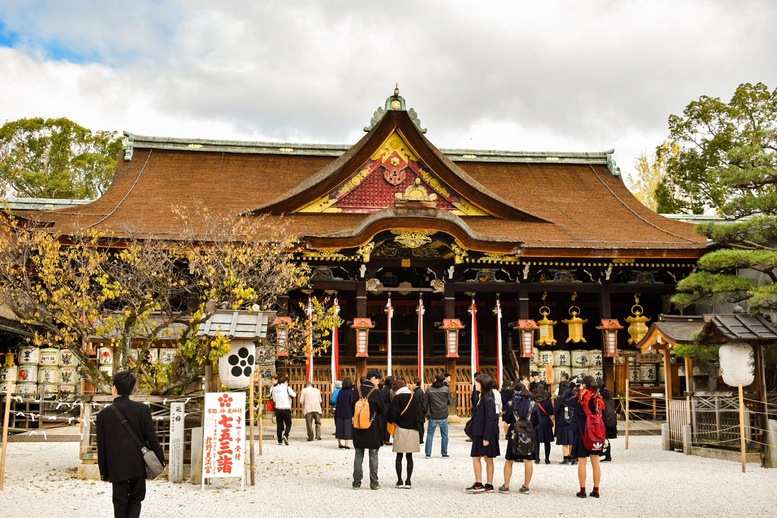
[737, 363]
[236, 367]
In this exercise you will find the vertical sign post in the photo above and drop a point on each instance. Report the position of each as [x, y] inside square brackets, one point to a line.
[175, 462]
[6, 417]
[223, 438]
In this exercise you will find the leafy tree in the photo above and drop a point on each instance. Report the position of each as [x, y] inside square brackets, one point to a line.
[727, 156]
[728, 163]
[56, 158]
[650, 171]
[138, 292]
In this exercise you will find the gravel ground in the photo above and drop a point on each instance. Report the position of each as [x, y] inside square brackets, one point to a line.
[314, 479]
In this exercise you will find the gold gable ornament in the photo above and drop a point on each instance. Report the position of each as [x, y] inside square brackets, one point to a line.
[416, 195]
[637, 327]
[575, 325]
[546, 327]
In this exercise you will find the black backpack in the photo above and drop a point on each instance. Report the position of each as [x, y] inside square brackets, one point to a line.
[522, 435]
[608, 414]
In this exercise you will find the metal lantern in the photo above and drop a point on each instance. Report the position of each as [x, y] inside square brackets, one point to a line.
[637, 327]
[451, 327]
[362, 326]
[281, 325]
[546, 328]
[527, 328]
[575, 325]
[609, 329]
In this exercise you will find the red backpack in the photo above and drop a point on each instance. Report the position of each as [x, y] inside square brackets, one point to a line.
[594, 433]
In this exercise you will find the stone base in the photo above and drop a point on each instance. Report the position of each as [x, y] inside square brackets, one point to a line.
[735, 456]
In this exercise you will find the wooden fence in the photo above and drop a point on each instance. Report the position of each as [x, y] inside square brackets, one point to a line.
[715, 421]
[679, 417]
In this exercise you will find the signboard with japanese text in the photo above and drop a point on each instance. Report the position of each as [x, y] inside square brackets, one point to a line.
[224, 435]
[175, 462]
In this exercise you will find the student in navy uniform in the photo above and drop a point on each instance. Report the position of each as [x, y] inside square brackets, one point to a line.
[418, 389]
[587, 396]
[521, 407]
[563, 414]
[610, 420]
[544, 430]
[485, 431]
[118, 455]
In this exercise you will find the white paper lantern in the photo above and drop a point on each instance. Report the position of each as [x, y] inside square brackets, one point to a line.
[737, 362]
[236, 368]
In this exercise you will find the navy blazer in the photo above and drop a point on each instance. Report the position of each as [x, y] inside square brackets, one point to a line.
[485, 421]
[118, 455]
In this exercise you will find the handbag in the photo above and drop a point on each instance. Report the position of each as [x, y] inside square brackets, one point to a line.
[154, 468]
[270, 405]
[468, 428]
[392, 427]
[469, 424]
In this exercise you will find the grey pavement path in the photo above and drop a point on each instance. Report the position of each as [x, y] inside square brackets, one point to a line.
[314, 479]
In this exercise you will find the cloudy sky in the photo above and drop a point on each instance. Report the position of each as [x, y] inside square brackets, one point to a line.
[582, 75]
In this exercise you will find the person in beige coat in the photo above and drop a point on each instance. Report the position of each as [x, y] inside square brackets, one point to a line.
[310, 399]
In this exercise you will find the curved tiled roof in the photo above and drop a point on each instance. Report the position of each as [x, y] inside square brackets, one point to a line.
[556, 204]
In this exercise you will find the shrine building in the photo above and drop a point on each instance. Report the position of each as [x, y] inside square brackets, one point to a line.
[550, 249]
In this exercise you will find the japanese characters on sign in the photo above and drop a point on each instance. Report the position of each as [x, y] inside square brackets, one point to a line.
[175, 465]
[224, 435]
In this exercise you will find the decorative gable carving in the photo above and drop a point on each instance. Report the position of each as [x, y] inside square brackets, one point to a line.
[393, 174]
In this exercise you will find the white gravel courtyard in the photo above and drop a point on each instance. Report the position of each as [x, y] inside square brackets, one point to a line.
[313, 479]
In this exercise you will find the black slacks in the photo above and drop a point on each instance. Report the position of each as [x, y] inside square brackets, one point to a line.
[127, 496]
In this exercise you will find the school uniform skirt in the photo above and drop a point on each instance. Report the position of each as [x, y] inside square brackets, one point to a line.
[406, 440]
[579, 451]
[478, 450]
[565, 435]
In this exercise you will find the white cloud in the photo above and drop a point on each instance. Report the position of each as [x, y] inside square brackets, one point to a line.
[583, 76]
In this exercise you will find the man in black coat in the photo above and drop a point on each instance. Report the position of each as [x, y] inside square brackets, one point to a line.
[370, 438]
[118, 455]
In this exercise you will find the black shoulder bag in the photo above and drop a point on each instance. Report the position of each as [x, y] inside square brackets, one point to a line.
[154, 468]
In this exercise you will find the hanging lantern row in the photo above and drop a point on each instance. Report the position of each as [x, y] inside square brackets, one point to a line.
[452, 326]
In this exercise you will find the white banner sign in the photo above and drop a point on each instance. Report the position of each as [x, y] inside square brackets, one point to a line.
[175, 462]
[224, 435]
